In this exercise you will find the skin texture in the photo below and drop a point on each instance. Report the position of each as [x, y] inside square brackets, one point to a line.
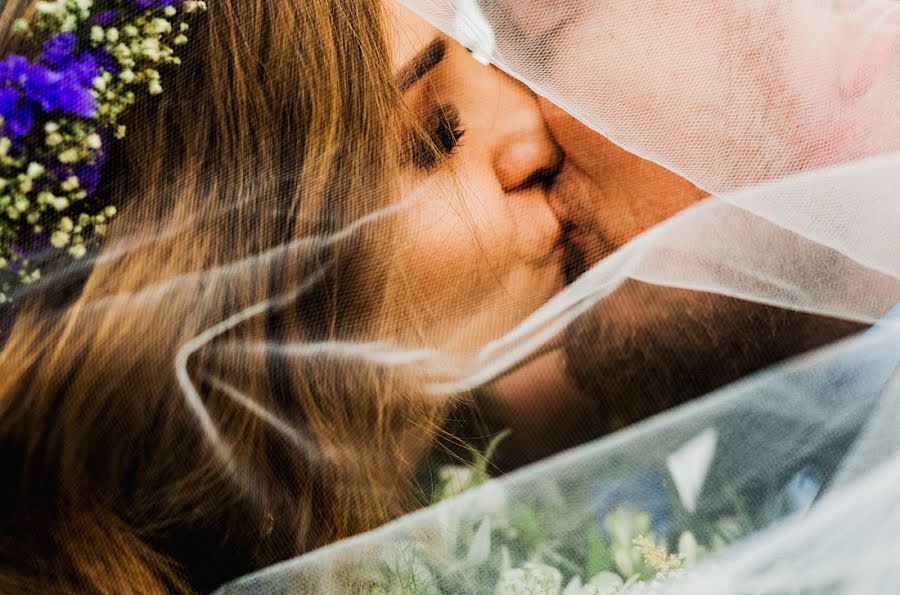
[481, 238]
[481, 242]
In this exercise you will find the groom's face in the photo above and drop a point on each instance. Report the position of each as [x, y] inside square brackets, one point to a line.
[612, 195]
[640, 351]
[643, 348]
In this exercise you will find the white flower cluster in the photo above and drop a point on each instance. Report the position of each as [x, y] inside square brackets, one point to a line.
[37, 199]
[636, 553]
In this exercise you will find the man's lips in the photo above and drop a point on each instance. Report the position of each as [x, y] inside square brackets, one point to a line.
[576, 203]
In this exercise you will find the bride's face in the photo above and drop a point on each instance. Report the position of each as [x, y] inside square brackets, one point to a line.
[482, 245]
[524, 196]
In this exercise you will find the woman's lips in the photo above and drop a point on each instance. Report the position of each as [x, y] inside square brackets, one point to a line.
[575, 201]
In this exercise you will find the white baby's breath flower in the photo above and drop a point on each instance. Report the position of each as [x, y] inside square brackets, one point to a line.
[97, 34]
[66, 225]
[59, 239]
[93, 141]
[78, 250]
[656, 555]
[150, 48]
[194, 6]
[70, 23]
[69, 156]
[35, 170]
[574, 587]
[70, 184]
[159, 26]
[50, 8]
[20, 26]
[60, 203]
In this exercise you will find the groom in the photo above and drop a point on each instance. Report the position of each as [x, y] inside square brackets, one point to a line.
[644, 348]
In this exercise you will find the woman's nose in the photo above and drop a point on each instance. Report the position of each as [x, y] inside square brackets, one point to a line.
[526, 155]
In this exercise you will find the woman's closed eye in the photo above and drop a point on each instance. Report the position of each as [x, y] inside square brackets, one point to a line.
[444, 131]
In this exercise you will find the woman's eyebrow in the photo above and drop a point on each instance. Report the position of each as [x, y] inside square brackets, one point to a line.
[423, 63]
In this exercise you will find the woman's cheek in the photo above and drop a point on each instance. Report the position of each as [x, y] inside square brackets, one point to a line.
[451, 243]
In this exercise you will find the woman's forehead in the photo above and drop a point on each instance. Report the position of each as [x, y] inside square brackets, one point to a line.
[408, 34]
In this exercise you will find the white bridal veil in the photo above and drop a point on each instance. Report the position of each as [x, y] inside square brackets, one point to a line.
[785, 481]
[775, 478]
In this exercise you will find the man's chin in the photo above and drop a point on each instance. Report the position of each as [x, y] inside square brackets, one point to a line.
[646, 348]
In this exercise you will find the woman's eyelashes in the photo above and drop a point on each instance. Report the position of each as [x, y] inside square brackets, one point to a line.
[444, 131]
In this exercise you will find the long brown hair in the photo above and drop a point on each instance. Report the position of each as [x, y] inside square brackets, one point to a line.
[282, 123]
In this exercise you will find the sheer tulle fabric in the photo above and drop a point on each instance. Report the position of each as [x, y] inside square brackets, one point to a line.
[788, 114]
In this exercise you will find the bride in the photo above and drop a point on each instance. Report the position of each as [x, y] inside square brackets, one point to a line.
[317, 182]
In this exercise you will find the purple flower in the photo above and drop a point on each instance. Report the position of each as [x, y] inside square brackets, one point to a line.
[67, 90]
[18, 117]
[58, 50]
[88, 176]
[64, 91]
[83, 69]
[105, 18]
[105, 60]
[59, 53]
[19, 251]
[154, 4]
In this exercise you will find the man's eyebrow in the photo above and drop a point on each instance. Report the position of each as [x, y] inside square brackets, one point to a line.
[423, 63]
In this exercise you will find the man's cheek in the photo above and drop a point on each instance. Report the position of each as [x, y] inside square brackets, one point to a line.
[586, 149]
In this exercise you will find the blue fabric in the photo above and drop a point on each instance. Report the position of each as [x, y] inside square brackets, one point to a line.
[645, 490]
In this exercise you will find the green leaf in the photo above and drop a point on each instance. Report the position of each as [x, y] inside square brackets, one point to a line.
[598, 556]
[528, 524]
[480, 461]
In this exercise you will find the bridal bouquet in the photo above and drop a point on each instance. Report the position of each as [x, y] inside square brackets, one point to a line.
[634, 536]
